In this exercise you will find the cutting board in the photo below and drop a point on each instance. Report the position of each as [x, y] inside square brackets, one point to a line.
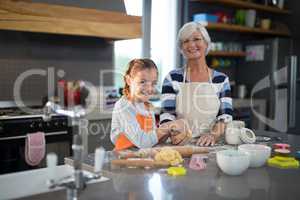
[139, 162]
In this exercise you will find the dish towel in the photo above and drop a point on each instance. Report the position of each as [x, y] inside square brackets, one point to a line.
[198, 162]
[35, 148]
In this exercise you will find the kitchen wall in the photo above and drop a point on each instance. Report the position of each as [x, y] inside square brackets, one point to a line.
[81, 58]
[294, 24]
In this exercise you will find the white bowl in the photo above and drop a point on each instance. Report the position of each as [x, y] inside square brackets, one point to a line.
[233, 162]
[259, 153]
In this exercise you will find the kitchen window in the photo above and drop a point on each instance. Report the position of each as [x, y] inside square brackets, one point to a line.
[163, 39]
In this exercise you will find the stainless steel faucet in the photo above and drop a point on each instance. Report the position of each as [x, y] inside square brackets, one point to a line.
[78, 181]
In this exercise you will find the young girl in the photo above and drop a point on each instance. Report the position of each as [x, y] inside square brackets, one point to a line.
[133, 122]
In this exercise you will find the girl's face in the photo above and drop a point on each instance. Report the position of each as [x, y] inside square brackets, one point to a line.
[142, 84]
[194, 46]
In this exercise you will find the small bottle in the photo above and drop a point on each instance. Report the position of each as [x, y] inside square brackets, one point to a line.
[51, 164]
[99, 159]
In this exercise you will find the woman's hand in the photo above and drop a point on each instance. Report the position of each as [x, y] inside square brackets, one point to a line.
[207, 139]
[210, 139]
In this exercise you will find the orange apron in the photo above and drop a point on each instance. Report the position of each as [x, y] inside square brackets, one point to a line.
[146, 124]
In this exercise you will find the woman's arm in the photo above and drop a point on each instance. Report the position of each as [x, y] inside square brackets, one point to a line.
[168, 101]
[218, 129]
[225, 111]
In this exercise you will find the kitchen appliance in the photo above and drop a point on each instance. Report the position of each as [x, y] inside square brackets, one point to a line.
[15, 123]
[271, 72]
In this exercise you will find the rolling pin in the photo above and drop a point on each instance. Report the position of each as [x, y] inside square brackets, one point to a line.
[185, 151]
[188, 151]
[140, 163]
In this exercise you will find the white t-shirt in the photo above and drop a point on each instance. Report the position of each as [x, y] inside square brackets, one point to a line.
[124, 122]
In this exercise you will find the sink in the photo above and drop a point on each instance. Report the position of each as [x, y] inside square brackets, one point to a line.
[21, 184]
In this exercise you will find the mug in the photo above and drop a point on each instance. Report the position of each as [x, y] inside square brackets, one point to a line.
[232, 136]
[236, 133]
[266, 24]
[236, 124]
[235, 136]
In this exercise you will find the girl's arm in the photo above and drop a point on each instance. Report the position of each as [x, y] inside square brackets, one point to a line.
[124, 122]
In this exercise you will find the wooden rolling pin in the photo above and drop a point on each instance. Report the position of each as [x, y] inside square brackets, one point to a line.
[140, 163]
[188, 151]
[185, 151]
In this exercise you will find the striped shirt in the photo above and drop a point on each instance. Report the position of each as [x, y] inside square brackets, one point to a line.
[171, 87]
[124, 121]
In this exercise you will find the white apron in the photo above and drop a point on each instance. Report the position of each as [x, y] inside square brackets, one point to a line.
[198, 103]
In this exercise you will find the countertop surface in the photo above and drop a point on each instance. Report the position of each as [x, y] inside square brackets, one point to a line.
[211, 183]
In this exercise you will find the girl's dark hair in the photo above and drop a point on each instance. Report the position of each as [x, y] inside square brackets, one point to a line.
[134, 66]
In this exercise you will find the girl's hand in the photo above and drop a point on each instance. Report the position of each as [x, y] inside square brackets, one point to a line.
[181, 138]
[178, 130]
[162, 134]
[177, 126]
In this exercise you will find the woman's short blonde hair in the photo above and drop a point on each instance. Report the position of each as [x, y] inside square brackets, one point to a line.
[188, 29]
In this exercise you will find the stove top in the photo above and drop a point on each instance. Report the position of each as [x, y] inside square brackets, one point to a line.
[19, 113]
[16, 123]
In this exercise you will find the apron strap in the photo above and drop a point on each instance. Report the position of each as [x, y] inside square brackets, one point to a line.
[185, 72]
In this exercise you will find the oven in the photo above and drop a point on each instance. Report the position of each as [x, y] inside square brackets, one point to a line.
[14, 127]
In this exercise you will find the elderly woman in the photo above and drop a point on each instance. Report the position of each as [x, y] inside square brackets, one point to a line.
[196, 93]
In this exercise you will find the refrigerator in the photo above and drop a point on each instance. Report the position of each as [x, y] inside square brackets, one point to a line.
[271, 72]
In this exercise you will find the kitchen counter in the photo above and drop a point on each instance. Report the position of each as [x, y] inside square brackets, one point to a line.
[260, 183]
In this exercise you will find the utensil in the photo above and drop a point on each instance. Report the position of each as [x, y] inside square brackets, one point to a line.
[283, 162]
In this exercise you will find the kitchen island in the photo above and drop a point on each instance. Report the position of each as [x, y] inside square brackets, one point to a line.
[211, 183]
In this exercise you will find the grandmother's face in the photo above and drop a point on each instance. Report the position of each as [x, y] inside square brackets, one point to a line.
[194, 46]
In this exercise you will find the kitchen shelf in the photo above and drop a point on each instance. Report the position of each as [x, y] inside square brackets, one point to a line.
[67, 20]
[247, 5]
[227, 54]
[245, 29]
